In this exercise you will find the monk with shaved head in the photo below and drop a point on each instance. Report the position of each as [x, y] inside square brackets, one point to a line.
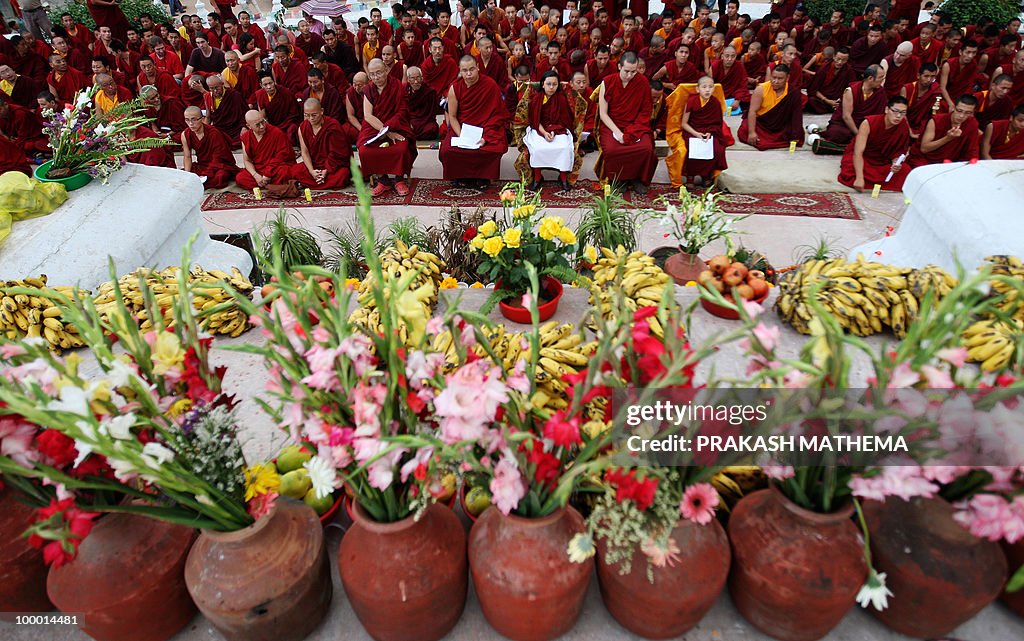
[267, 154]
[225, 108]
[325, 150]
[110, 94]
[214, 164]
[386, 109]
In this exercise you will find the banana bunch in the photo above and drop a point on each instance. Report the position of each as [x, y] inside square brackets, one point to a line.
[863, 296]
[992, 342]
[1012, 303]
[928, 278]
[641, 281]
[736, 481]
[23, 316]
[230, 320]
[397, 261]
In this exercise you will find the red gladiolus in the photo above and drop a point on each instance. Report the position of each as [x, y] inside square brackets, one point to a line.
[469, 234]
[629, 488]
[60, 449]
[547, 470]
[59, 529]
[562, 431]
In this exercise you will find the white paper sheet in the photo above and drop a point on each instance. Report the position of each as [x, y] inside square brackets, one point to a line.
[471, 138]
[380, 134]
[700, 149]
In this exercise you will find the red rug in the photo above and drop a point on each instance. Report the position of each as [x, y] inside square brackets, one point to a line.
[428, 192]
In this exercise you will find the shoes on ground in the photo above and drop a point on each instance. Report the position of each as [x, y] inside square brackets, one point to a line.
[812, 128]
[565, 185]
[402, 188]
[535, 185]
[639, 187]
[815, 141]
[380, 189]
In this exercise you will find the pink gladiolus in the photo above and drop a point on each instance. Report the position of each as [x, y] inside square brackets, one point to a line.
[903, 481]
[699, 503]
[507, 485]
[955, 356]
[903, 376]
[470, 400]
[753, 309]
[767, 336]
[16, 440]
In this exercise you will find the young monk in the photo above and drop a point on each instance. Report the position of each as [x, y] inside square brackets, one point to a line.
[881, 141]
[702, 118]
[214, 163]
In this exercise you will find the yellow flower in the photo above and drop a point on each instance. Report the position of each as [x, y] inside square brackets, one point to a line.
[524, 212]
[179, 407]
[477, 285]
[590, 254]
[493, 246]
[260, 479]
[477, 243]
[513, 237]
[352, 284]
[567, 236]
[550, 227]
[449, 283]
[507, 196]
[488, 229]
[167, 352]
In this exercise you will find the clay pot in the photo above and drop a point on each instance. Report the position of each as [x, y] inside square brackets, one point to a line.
[22, 571]
[680, 595]
[683, 267]
[940, 574]
[528, 588]
[406, 580]
[128, 581]
[795, 573]
[1015, 559]
[551, 294]
[268, 582]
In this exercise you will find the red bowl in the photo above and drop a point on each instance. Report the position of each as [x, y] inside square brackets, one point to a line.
[326, 517]
[723, 312]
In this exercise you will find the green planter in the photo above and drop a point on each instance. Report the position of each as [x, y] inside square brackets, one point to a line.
[71, 183]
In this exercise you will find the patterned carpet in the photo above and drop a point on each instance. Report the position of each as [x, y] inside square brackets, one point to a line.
[440, 193]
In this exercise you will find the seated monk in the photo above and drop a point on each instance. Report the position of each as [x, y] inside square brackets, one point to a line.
[994, 103]
[354, 106]
[214, 164]
[21, 89]
[164, 82]
[677, 71]
[156, 157]
[224, 109]
[166, 115]
[774, 119]
[23, 127]
[924, 98]
[949, 137]
[549, 140]
[45, 102]
[703, 118]
[901, 68]
[625, 140]
[331, 102]
[385, 105]
[12, 158]
[64, 81]
[241, 78]
[267, 154]
[439, 70]
[732, 75]
[278, 104]
[1004, 139]
[864, 98]
[423, 105]
[110, 94]
[288, 72]
[826, 87]
[475, 100]
[876, 150]
[582, 87]
[325, 150]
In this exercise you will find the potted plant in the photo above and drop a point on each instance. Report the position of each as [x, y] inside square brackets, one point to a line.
[694, 223]
[609, 222]
[89, 144]
[525, 237]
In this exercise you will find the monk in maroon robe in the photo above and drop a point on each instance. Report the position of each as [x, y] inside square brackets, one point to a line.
[214, 160]
[331, 101]
[491, 64]
[23, 127]
[774, 119]
[949, 137]
[957, 75]
[825, 90]
[354, 105]
[385, 105]
[625, 138]
[242, 78]
[702, 118]
[1016, 71]
[1004, 139]
[423, 105]
[12, 158]
[163, 81]
[64, 82]
[225, 109]
[924, 98]
[278, 105]
[863, 98]
[107, 13]
[994, 103]
[156, 157]
[880, 142]
[166, 115]
[677, 71]
[475, 100]
[439, 70]
[325, 150]
[267, 154]
[287, 71]
[24, 90]
[732, 75]
[901, 68]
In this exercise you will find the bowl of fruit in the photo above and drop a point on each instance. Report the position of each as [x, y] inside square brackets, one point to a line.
[725, 276]
[296, 484]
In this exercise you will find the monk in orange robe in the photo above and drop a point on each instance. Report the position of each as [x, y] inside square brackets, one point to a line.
[1004, 139]
[267, 154]
[214, 160]
[774, 119]
[278, 105]
[385, 105]
[331, 101]
[949, 137]
[624, 134]
[110, 94]
[475, 100]
[880, 142]
[324, 148]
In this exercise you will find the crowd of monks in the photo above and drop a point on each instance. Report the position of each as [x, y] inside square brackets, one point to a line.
[298, 104]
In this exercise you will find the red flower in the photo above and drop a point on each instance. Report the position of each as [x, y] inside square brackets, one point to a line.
[561, 431]
[629, 488]
[469, 234]
[548, 465]
[59, 529]
[415, 403]
[57, 447]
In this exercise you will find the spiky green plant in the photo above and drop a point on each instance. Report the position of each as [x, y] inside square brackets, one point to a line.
[295, 245]
[608, 223]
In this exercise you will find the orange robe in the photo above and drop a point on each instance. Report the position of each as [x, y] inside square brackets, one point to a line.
[779, 120]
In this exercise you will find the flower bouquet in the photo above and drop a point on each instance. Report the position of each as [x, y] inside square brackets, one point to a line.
[697, 221]
[85, 141]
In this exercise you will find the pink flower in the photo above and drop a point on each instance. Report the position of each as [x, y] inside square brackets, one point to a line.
[767, 336]
[661, 556]
[699, 502]
[955, 356]
[795, 379]
[903, 481]
[422, 457]
[507, 485]
[16, 440]
[937, 378]
[10, 350]
[357, 348]
[420, 367]
[367, 403]
[261, 504]
[322, 368]
[562, 431]
[989, 516]
[470, 400]
[778, 472]
[903, 376]
[753, 309]
[435, 325]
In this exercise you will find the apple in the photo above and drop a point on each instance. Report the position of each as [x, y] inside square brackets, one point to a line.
[759, 287]
[755, 273]
[741, 268]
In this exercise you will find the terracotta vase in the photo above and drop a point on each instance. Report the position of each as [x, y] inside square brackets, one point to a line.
[795, 573]
[127, 582]
[528, 588]
[268, 582]
[680, 595]
[683, 267]
[940, 574]
[407, 580]
[1015, 559]
[22, 571]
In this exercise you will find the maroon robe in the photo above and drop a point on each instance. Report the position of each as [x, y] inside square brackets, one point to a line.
[987, 112]
[229, 117]
[82, 39]
[12, 158]
[779, 126]
[273, 157]
[330, 149]
[109, 16]
[330, 100]
[247, 82]
[309, 45]
[411, 56]
[157, 157]
[706, 119]
[392, 109]
[31, 65]
[70, 83]
[283, 111]
[931, 54]
[165, 84]
[883, 147]
[831, 84]
[677, 76]
[294, 77]
[24, 128]
[598, 75]
[355, 98]
[629, 108]
[170, 116]
[25, 91]
[1003, 148]
[837, 131]
[966, 147]
[480, 105]
[213, 157]
[654, 61]
[897, 77]
[423, 109]
[921, 107]
[733, 81]
[555, 114]
[756, 66]
[497, 71]
[960, 80]
[336, 77]
[863, 56]
[440, 76]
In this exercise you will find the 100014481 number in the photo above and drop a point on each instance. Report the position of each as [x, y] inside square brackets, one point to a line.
[46, 619]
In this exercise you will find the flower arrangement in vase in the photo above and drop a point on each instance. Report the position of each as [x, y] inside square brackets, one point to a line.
[697, 221]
